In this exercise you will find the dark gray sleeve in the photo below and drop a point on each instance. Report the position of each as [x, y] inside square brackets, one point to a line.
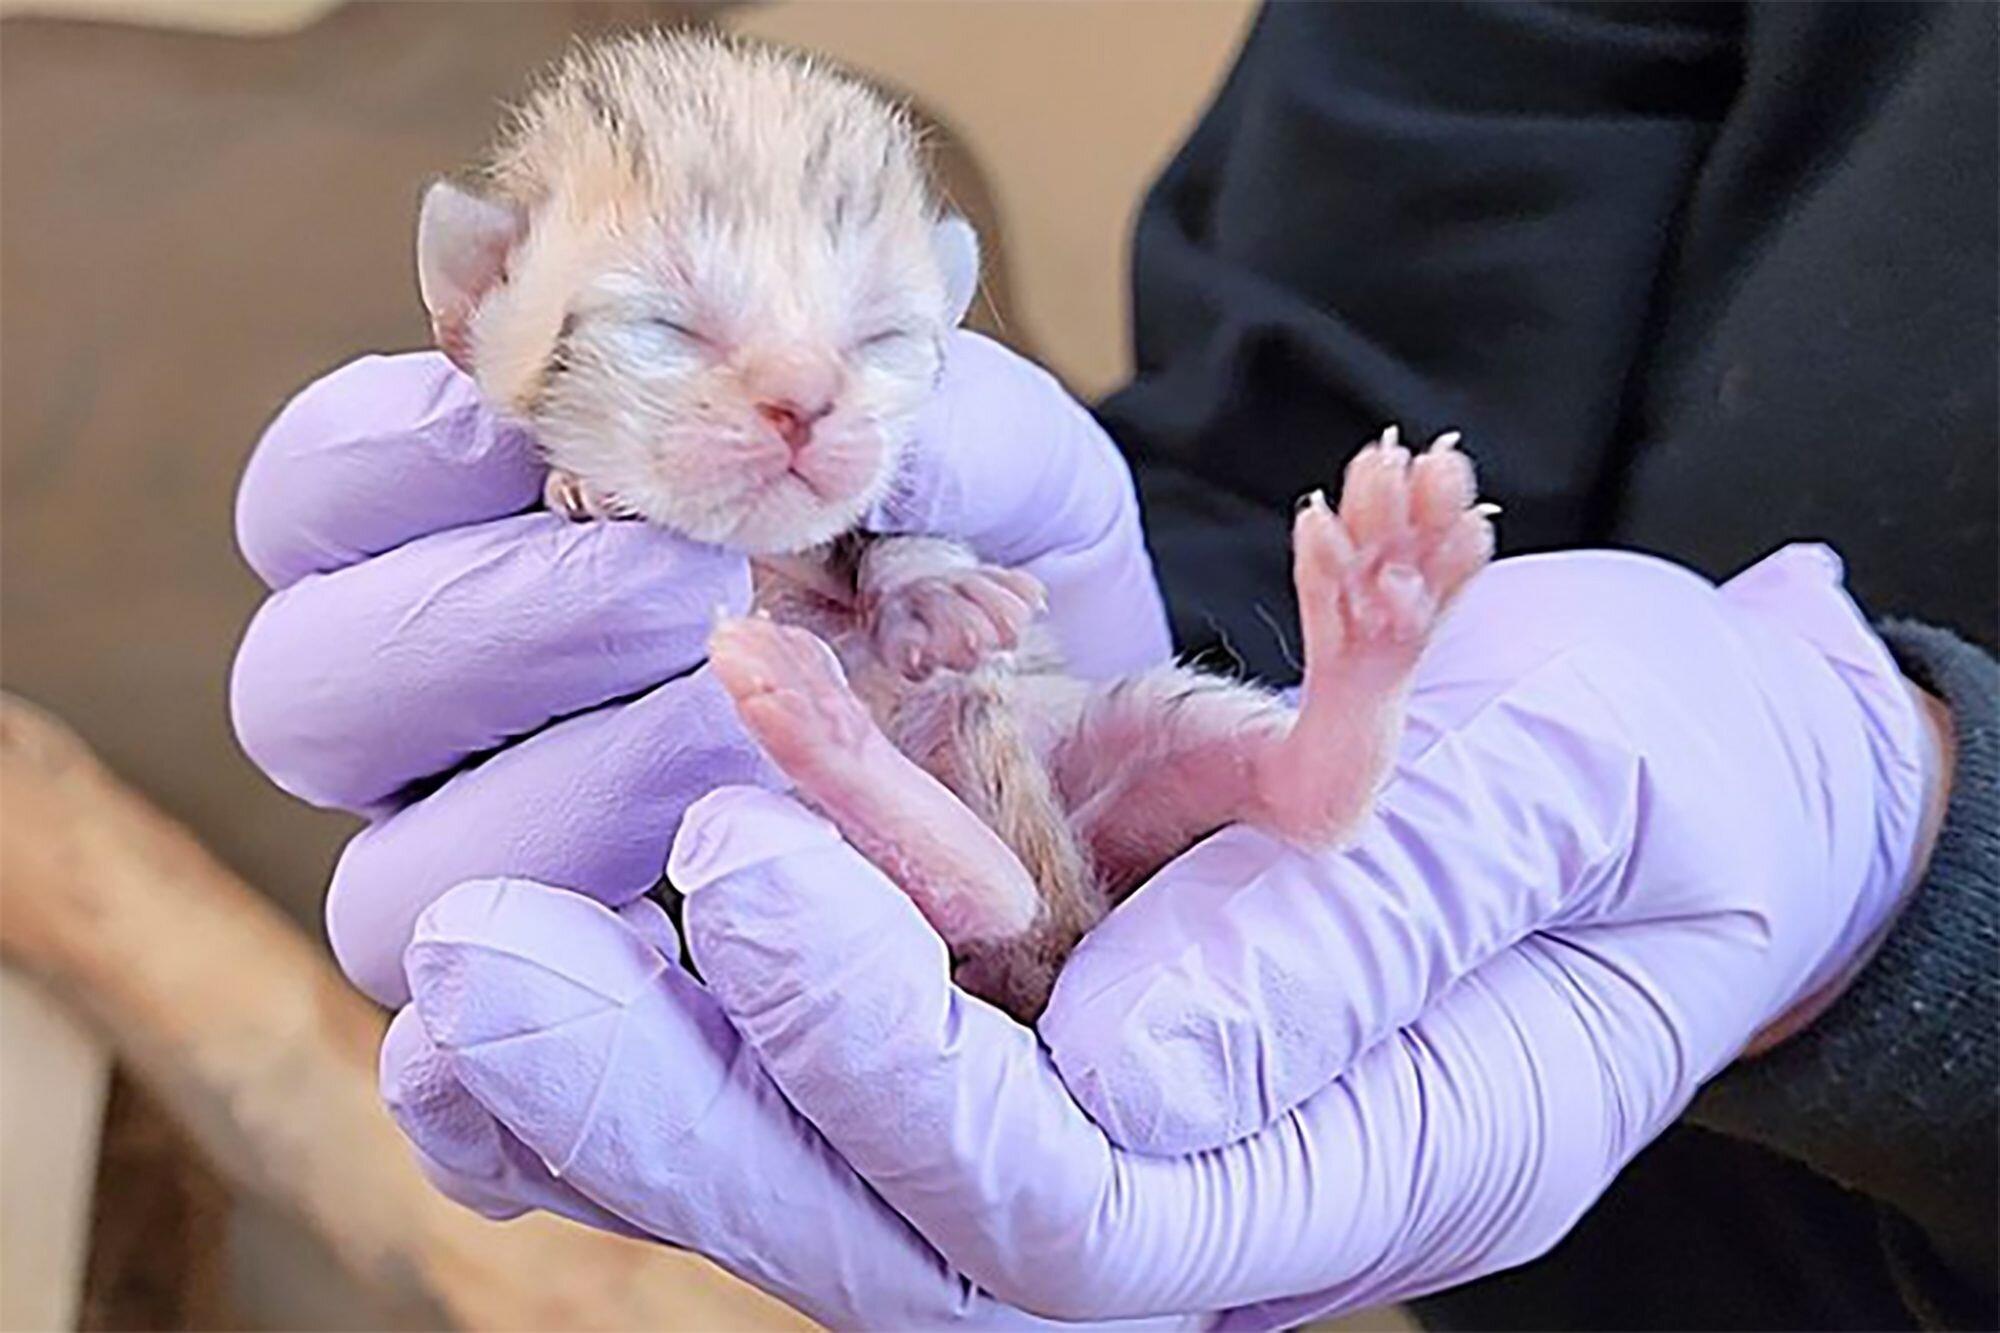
[1895, 1092]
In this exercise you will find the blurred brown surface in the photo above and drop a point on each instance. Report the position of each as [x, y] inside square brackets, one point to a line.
[267, 1060]
[157, 1254]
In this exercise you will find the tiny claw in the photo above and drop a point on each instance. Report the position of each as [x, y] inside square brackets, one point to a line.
[1312, 499]
[1391, 436]
[1447, 441]
[1027, 587]
[559, 493]
[1485, 509]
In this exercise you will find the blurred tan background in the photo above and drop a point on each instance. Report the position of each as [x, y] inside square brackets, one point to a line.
[203, 205]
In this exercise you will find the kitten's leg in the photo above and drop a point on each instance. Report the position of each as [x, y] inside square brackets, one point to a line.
[929, 603]
[1372, 582]
[987, 737]
[793, 698]
[1156, 762]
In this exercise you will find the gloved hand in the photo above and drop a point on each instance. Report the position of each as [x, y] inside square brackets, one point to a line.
[1634, 820]
[425, 614]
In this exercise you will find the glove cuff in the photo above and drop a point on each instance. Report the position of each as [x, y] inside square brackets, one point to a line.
[1891, 1092]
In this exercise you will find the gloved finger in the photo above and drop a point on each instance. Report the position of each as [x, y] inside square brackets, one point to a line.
[351, 685]
[381, 451]
[1248, 973]
[1005, 460]
[940, 1101]
[465, 1153]
[1468, 1145]
[650, 922]
[619, 1072]
[590, 803]
[1520, 1095]
[469, 1156]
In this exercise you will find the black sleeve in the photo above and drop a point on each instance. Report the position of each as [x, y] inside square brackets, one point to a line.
[1437, 215]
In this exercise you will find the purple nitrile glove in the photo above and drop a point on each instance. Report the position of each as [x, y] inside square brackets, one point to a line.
[1634, 821]
[425, 612]
[684, 1140]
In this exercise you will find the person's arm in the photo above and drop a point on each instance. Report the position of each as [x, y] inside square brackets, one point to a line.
[1892, 1091]
[1453, 217]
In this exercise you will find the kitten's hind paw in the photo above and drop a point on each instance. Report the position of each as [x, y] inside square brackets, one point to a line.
[1374, 578]
[791, 694]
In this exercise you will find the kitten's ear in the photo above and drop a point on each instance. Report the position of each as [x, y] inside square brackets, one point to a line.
[956, 246]
[462, 246]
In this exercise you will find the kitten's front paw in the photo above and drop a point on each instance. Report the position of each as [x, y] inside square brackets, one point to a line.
[567, 494]
[952, 619]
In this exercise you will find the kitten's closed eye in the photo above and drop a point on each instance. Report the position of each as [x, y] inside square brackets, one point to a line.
[676, 328]
[890, 345]
[651, 339]
[910, 351]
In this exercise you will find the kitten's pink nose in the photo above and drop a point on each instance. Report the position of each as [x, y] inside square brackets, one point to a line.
[793, 386]
[793, 423]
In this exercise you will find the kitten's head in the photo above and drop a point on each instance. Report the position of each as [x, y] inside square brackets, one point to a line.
[712, 276]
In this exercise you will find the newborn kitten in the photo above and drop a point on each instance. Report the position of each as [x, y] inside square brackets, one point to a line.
[715, 280]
